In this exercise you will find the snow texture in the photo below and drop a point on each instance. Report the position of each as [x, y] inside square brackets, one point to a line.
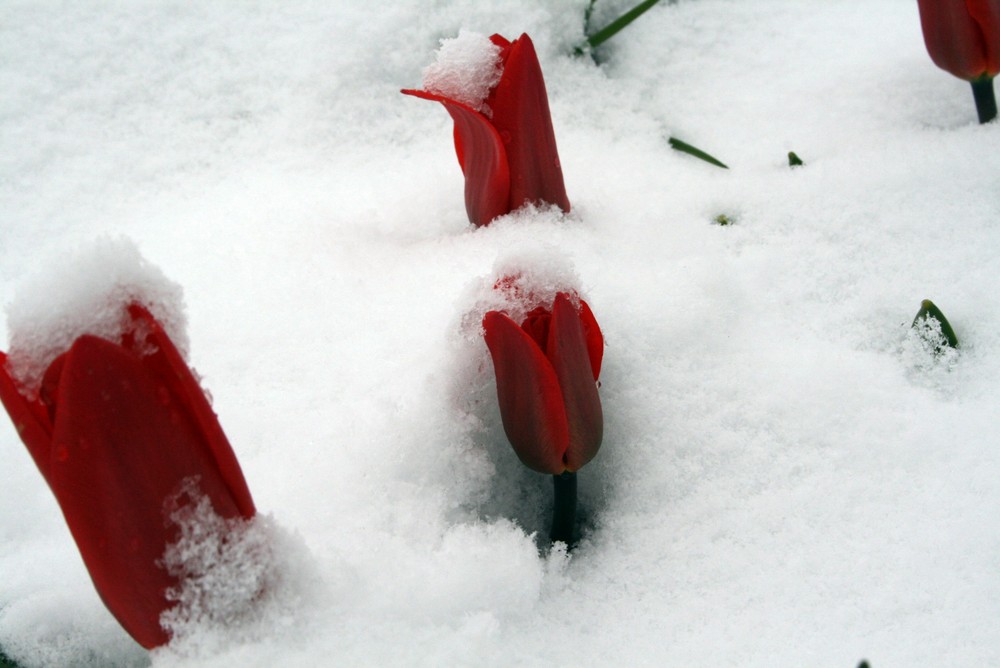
[466, 70]
[86, 292]
[238, 579]
[790, 474]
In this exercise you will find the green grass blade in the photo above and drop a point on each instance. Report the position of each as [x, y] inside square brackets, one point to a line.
[612, 29]
[685, 147]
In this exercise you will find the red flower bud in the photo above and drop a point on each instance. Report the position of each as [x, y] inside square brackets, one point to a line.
[510, 159]
[963, 36]
[547, 370]
[116, 429]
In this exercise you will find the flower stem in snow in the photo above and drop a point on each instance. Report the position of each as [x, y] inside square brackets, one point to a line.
[986, 100]
[564, 510]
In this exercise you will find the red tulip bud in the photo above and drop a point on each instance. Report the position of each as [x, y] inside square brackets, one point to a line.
[510, 158]
[547, 370]
[117, 430]
[963, 36]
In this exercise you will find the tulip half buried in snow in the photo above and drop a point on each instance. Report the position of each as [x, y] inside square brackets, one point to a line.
[117, 429]
[507, 147]
[546, 372]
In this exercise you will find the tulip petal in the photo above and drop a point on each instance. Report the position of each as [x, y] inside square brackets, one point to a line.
[595, 339]
[122, 445]
[521, 115]
[531, 403]
[955, 40]
[986, 14]
[30, 418]
[482, 157]
[567, 350]
[170, 367]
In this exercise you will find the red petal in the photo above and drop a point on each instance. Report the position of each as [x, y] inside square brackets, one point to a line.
[595, 339]
[481, 155]
[121, 446]
[567, 350]
[986, 14]
[521, 115]
[531, 403]
[954, 39]
[31, 419]
[171, 368]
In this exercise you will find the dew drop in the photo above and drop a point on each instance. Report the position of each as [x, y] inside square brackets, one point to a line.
[133, 544]
[505, 136]
[61, 453]
[84, 443]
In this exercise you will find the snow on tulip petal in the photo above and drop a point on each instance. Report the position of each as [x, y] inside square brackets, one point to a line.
[466, 70]
[482, 158]
[567, 351]
[166, 362]
[521, 115]
[531, 403]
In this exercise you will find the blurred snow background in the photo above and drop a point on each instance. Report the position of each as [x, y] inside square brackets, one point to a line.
[786, 479]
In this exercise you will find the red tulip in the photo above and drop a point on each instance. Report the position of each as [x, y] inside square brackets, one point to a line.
[963, 36]
[117, 429]
[547, 370]
[508, 159]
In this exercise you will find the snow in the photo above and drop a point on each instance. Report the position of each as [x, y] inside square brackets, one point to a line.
[466, 70]
[789, 475]
[238, 578]
[86, 292]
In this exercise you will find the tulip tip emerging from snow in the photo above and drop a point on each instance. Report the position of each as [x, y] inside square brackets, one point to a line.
[504, 140]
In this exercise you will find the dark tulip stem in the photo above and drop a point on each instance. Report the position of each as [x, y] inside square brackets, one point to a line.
[986, 99]
[564, 510]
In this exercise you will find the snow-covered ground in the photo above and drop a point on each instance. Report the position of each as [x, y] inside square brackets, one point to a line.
[788, 476]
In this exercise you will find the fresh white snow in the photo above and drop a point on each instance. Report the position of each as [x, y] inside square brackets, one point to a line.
[789, 475]
[466, 69]
[86, 292]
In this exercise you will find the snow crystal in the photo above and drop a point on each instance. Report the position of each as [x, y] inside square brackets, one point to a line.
[926, 354]
[238, 578]
[466, 70]
[520, 281]
[86, 293]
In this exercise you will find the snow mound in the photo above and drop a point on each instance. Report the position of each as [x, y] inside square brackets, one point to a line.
[86, 293]
[239, 579]
[466, 70]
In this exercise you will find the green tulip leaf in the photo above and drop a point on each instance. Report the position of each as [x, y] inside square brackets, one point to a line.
[685, 147]
[607, 32]
[929, 309]
[6, 662]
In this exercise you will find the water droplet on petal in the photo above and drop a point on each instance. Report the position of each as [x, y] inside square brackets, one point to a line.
[84, 443]
[505, 136]
[61, 453]
[133, 544]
